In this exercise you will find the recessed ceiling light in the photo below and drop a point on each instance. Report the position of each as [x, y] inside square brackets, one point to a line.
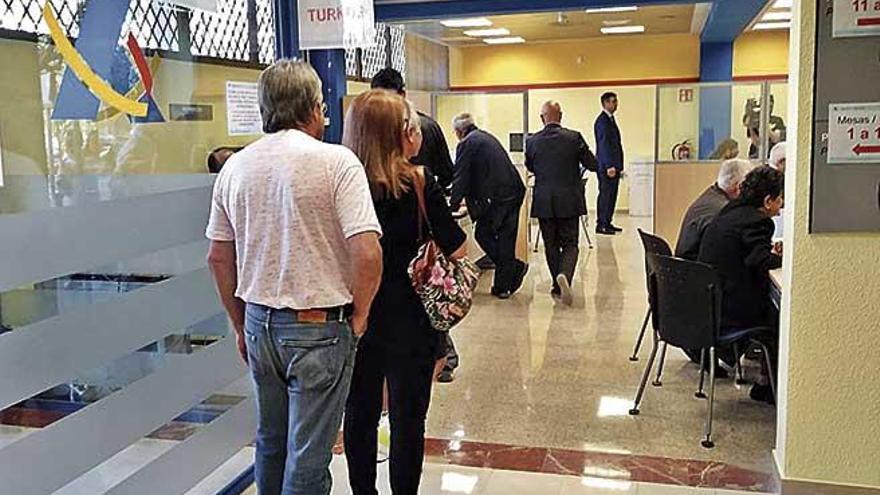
[611, 10]
[623, 29]
[616, 23]
[782, 4]
[762, 26]
[777, 16]
[467, 23]
[487, 32]
[510, 40]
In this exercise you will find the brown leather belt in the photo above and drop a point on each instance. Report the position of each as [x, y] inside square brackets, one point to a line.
[338, 314]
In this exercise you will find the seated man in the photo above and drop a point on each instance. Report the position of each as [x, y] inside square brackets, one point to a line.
[701, 213]
[738, 243]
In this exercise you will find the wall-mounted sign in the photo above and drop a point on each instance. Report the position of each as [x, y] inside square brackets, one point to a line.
[189, 112]
[685, 95]
[242, 109]
[327, 24]
[856, 18]
[854, 133]
[209, 5]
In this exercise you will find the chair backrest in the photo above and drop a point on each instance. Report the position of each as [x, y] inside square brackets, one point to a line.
[653, 245]
[688, 302]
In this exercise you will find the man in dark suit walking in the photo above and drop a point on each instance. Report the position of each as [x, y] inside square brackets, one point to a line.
[557, 156]
[610, 154]
[494, 190]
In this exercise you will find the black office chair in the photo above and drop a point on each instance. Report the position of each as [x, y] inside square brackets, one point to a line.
[657, 246]
[686, 303]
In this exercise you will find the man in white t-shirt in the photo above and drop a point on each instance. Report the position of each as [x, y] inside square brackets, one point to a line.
[296, 259]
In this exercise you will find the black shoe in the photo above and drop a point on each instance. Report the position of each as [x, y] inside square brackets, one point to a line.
[616, 229]
[762, 393]
[501, 294]
[485, 263]
[555, 291]
[520, 276]
[446, 376]
[605, 231]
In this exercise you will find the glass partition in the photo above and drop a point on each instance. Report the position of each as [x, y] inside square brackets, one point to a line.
[501, 114]
[717, 121]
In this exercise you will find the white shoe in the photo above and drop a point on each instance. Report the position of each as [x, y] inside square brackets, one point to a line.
[384, 438]
[565, 289]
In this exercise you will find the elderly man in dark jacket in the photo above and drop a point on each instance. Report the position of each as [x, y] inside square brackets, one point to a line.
[558, 156]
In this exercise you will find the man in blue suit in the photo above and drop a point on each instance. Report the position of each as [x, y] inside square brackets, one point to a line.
[610, 155]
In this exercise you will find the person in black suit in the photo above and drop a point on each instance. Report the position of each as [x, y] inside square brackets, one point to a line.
[609, 151]
[738, 243]
[434, 154]
[485, 176]
[556, 156]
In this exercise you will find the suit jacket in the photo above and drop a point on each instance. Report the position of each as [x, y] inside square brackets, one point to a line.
[698, 217]
[609, 149]
[434, 155]
[738, 244]
[484, 173]
[555, 155]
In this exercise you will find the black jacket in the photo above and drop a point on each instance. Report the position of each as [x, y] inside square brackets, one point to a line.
[398, 322]
[698, 217]
[609, 149]
[555, 155]
[434, 155]
[738, 244]
[484, 173]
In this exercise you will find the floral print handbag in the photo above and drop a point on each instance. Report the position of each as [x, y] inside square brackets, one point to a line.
[446, 286]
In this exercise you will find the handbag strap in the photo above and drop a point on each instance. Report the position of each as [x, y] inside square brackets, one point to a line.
[419, 188]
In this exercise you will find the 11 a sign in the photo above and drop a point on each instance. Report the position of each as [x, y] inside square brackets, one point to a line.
[856, 18]
[854, 133]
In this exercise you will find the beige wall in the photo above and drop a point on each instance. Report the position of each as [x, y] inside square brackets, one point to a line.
[829, 419]
[427, 64]
[21, 110]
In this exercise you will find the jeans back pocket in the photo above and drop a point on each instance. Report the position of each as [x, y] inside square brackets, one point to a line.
[311, 363]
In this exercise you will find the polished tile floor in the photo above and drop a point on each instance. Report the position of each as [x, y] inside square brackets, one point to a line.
[536, 373]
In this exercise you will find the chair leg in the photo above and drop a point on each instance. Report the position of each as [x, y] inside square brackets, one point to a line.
[585, 223]
[700, 394]
[740, 380]
[635, 354]
[707, 442]
[641, 393]
[769, 371]
[657, 382]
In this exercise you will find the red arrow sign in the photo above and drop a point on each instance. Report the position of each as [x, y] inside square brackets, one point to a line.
[861, 148]
[869, 21]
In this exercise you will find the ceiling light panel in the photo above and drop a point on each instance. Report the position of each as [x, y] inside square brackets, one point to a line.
[623, 29]
[782, 4]
[764, 26]
[478, 33]
[777, 16]
[510, 40]
[612, 10]
[467, 23]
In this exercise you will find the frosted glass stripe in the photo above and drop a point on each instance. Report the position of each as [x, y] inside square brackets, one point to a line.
[46, 244]
[52, 351]
[48, 459]
[201, 453]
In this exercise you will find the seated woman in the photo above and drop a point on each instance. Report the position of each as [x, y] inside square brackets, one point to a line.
[738, 243]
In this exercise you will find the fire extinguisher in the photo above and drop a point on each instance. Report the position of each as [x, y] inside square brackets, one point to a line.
[682, 151]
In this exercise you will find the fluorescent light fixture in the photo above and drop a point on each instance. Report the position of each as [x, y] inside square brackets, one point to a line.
[623, 29]
[612, 10]
[622, 22]
[477, 33]
[782, 4]
[776, 16]
[509, 40]
[764, 26]
[467, 23]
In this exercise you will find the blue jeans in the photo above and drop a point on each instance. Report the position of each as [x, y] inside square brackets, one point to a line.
[302, 373]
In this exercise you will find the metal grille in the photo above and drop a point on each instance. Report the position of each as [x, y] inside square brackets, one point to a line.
[266, 30]
[398, 49]
[153, 24]
[27, 15]
[224, 34]
[351, 65]
[374, 58]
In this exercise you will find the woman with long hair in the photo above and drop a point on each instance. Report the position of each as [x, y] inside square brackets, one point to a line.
[400, 347]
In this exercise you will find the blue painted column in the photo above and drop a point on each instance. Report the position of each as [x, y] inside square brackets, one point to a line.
[286, 29]
[716, 65]
[330, 65]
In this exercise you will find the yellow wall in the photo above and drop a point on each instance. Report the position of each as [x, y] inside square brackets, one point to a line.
[591, 59]
[828, 421]
[21, 117]
[761, 53]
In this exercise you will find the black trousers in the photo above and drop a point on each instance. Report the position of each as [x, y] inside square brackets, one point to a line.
[409, 393]
[560, 245]
[607, 199]
[451, 354]
[496, 231]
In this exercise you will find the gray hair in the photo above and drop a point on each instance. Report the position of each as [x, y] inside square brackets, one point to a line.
[777, 154]
[414, 122]
[462, 121]
[288, 91]
[732, 173]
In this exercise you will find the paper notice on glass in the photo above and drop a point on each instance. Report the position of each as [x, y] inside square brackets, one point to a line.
[242, 109]
[207, 5]
[325, 24]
